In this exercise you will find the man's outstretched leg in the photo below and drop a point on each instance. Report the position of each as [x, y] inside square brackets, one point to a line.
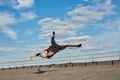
[69, 46]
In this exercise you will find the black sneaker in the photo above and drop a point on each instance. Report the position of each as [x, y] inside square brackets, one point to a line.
[53, 32]
[79, 45]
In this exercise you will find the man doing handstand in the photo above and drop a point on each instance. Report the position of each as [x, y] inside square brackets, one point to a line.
[53, 49]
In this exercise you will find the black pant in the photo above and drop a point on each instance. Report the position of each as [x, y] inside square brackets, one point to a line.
[60, 47]
[56, 48]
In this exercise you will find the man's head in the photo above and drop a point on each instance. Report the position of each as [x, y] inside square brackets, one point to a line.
[44, 54]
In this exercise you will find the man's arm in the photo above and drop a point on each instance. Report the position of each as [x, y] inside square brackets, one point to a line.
[34, 55]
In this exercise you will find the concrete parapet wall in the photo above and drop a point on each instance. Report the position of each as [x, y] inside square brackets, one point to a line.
[65, 65]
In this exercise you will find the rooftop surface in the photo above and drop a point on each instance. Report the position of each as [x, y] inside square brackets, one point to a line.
[91, 72]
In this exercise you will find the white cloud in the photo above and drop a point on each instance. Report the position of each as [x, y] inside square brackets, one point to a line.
[25, 16]
[44, 36]
[108, 38]
[24, 4]
[44, 20]
[113, 25]
[7, 49]
[91, 13]
[48, 33]
[80, 18]
[76, 19]
[74, 40]
[28, 32]
[36, 48]
[111, 32]
[6, 20]
[17, 4]
[1, 2]
[9, 32]
[8, 2]
[102, 47]
[63, 28]
[22, 41]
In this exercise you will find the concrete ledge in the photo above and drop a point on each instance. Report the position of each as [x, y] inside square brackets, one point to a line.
[65, 65]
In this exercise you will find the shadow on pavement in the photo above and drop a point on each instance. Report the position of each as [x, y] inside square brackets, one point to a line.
[42, 71]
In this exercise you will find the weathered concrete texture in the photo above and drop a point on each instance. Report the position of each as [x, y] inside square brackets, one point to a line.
[92, 72]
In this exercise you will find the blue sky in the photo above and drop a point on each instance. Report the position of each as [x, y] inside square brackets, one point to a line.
[26, 26]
